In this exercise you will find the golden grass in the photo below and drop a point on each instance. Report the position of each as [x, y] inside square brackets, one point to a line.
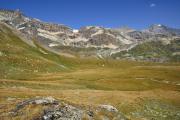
[117, 86]
[85, 82]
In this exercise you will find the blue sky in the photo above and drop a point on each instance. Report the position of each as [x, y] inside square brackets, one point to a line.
[137, 14]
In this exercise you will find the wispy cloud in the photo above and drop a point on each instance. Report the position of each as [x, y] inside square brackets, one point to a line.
[152, 5]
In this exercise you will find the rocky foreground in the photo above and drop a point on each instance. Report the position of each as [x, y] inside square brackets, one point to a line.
[48, 108]
[53, 109]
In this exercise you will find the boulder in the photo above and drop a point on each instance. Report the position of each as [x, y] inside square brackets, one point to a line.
[63, 112]
[46, 100]
[37, 101]
[109, 108]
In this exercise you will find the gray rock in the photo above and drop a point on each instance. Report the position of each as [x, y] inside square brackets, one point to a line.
[46, 100]
[108, 108]
[64, 112]
[55, 110]
[42, 101]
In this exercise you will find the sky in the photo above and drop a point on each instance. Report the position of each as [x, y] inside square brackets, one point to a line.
[138, 14]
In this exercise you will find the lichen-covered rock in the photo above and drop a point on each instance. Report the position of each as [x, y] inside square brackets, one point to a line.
[51, 109]
[46, 100]
[109, 108]
[38, 101]
[63, 112]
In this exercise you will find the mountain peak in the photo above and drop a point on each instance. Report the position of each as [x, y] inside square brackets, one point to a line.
[158, 26]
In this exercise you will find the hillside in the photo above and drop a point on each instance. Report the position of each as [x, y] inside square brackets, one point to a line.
[155, 51]
[17, 57]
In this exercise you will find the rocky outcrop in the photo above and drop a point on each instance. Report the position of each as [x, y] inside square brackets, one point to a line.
[57, 110]
[36, 101]
[63, 112]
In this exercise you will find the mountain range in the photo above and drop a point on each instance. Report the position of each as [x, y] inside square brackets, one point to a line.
[158, 42]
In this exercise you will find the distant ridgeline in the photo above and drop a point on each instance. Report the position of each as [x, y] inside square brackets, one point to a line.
[157, 43]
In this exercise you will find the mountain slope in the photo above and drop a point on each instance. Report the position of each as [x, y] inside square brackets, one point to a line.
[156, 51]
[17, 57]
[91, 41]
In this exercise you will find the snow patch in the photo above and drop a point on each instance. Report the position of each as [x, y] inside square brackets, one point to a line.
[21, 28]
[75, 31]
[53, 45]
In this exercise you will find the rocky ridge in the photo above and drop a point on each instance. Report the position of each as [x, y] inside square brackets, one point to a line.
[94, 41]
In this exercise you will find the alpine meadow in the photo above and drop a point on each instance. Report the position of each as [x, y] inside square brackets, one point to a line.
[50, 71]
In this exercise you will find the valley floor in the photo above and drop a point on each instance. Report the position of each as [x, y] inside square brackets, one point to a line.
[139, 91]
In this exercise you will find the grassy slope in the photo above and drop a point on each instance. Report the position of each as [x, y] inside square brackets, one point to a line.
[27, 72]
[19, 59]
[154, 49]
